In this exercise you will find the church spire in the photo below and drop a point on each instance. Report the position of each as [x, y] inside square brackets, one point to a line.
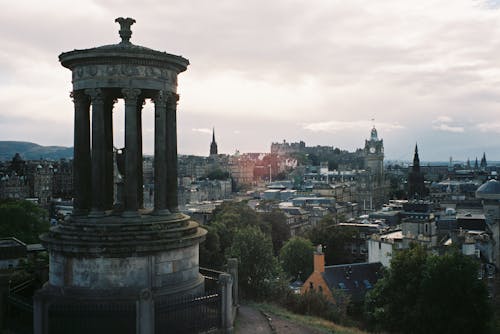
[213, 144]
[416, 159]
[416, 182]
[484, 164]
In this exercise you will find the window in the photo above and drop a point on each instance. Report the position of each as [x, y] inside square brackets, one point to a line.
[367, 284]
[342, 286]
[311, 286]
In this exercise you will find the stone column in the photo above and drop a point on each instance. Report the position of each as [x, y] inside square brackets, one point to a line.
[81, 154]
[140, 178]
[4, 291]
[145, 313]
[160, 159]
[131, 151]
[108, 146]
[226, 283]
[98, 152]
[172, 152]
[40, 316]
[232, 265]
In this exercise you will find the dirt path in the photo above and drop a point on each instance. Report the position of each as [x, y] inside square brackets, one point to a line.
[251, 321]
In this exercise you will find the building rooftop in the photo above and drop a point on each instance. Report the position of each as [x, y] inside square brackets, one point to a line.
[10, 242]
[489, 190]
[354, 278]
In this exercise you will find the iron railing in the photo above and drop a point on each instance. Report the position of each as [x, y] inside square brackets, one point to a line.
[188, 314]
[111, 317]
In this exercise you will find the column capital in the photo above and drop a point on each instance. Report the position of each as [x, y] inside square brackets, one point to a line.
[160, 98]
[95, 93]
[172, 99]
[78, 96]
[131, 94]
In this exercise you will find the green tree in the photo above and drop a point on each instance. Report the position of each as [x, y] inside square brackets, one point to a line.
[392, 301]
[22, 220]
[216, 174]
[210, 250]
[455, 301]
[236, 215]
[228, 217]
[424, 293]
[280, 231]
[257, 265]
[301, 157]
[296, 257]
[335, 239]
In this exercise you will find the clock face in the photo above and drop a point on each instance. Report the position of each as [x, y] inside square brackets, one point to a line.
[372, 149]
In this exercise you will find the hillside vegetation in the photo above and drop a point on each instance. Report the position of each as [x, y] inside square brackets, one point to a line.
[32, 151]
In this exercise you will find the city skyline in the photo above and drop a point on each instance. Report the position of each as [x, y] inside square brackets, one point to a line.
[262, 72]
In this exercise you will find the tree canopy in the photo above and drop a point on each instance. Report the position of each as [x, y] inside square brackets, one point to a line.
[335, 239]
[216, 174]
[280, 231]
[22, 220]
[296, 257]
[424, 293]
[228, 219]
[257, 265]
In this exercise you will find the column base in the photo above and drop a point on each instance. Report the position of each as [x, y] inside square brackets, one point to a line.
[80, 212]
[130, 214]
[96, 213]
[161, 212]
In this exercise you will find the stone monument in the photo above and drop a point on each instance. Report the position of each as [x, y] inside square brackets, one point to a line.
[110, 263]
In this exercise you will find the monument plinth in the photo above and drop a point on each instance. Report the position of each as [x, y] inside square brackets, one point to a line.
[112, 259]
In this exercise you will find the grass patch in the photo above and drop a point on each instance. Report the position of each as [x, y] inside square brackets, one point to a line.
[311, 321]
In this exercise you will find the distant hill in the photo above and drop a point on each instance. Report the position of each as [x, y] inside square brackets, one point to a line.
[32, 151]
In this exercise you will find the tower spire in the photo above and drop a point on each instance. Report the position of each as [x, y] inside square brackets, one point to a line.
[416, 159]
[213, 144]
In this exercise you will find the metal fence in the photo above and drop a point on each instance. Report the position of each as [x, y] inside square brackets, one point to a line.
[172, 314]
[188, 314]
[111, 317]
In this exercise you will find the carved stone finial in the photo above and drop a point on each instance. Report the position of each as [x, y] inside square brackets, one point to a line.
[125, 32]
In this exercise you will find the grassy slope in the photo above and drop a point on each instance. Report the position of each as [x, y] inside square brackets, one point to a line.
[311, 321]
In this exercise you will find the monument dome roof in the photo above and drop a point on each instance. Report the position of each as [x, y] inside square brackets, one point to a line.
[489, 190]
[121, 52]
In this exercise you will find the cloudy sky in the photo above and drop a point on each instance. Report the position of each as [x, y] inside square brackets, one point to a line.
[425, 71]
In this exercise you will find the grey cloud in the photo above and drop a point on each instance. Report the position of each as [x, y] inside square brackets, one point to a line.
[399, 62]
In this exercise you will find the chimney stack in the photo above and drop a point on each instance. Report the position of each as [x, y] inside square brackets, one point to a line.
[319, 259]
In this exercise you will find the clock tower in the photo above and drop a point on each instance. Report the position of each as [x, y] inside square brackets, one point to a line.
[372, 187]
[374, 156]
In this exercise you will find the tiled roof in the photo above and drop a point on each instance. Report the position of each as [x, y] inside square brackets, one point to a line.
[355, 278]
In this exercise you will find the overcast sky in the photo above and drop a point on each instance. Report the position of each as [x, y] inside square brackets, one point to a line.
[426, 71]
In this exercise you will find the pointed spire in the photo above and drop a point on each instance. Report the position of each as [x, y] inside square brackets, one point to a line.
[373, 134]
[416, 159]
[483, 161]
[213, 144]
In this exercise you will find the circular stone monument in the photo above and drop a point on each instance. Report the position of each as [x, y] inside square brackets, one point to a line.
[112, 260]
